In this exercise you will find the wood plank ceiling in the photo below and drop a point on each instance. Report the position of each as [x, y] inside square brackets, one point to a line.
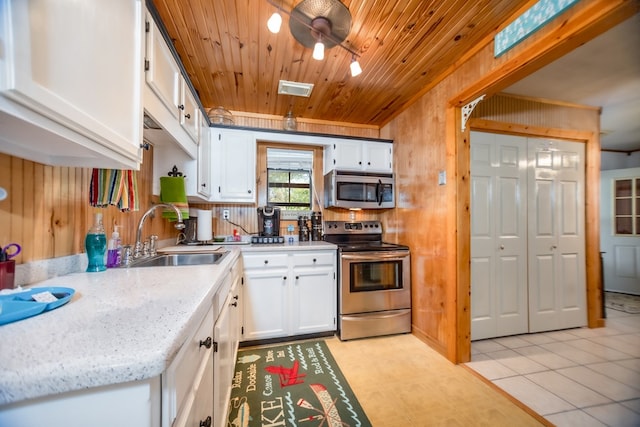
[234, 61]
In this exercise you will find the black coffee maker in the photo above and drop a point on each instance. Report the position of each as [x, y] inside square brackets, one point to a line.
[269, 221]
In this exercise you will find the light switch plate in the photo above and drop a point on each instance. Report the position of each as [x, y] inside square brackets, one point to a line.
[442, 177]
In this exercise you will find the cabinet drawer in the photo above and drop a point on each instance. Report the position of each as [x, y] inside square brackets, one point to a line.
[309, 259]
[264, 260]
[183, 370]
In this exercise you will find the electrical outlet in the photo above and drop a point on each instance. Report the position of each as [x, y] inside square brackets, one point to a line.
[225, 213]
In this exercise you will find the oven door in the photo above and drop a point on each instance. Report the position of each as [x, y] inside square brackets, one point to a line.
[374, 281]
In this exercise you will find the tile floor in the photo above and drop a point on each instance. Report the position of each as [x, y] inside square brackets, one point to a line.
[574, 377]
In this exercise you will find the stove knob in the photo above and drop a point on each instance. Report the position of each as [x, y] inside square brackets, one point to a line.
[377, 225]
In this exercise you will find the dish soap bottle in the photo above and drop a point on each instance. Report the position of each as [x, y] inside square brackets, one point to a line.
[96, 245]
[113, 249]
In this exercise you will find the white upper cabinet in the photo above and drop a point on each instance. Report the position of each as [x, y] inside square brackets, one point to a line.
[233, 166]
[71, 81]
[189, 111]
[356, 155]
[204, 160]
[168, 98]
[162, 73]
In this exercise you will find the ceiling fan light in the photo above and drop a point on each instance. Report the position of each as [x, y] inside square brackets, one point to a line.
[318, 51]
[274, 23]
[356, 70]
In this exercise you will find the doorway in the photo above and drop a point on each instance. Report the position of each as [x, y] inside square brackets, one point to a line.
[527, 235]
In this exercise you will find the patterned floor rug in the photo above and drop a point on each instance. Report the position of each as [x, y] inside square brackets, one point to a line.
[294, 384]
[622, 302]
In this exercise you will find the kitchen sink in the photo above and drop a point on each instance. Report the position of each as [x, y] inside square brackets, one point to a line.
[166, 260]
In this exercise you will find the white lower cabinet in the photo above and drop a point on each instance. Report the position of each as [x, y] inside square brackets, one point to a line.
[226, 338]
[289, 293]
[187, 393]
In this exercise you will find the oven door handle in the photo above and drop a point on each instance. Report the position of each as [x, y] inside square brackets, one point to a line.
[377, 256]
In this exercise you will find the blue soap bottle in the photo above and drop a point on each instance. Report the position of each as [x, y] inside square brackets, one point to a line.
[96, 245]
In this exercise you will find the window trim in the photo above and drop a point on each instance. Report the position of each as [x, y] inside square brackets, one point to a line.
[317, 179]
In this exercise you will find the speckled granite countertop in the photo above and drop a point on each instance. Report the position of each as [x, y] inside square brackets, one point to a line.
[121, 325]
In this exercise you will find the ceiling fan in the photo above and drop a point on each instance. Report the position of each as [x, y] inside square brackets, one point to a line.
[318, 24]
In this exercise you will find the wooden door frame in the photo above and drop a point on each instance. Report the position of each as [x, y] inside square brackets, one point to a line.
[585, 23]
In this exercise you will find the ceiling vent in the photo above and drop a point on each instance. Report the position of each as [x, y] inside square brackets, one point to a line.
[295, 88]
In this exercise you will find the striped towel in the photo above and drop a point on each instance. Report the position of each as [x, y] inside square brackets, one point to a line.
[114, 187]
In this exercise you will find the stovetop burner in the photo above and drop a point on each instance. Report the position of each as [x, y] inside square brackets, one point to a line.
[353, 236]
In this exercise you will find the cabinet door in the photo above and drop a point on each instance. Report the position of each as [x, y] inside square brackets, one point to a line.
[234, 173]
[313, 300]
[201, 410]
[235, 324]
[348, 155]
[204, 160]
[162, 74]
[71, 74]
[378, 157]
[189, 111]
[223, 365]
[265, 304]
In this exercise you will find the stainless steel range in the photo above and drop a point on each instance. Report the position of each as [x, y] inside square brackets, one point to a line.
[374, 285]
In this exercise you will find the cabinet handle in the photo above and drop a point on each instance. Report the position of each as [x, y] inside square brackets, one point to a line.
[235, 297]
[181, 107]
[204, 184]
[249, 191]
[187, 116]
[359, 163]
[314, 260]
[297, 277]
[206, 343]
[235, 304]
[206, 423]
[284, 278]
[266, 261]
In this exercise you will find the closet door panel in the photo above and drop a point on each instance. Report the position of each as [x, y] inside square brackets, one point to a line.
[557, 286]
[498, 235]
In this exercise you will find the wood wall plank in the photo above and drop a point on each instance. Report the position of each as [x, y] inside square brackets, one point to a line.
[423, 135]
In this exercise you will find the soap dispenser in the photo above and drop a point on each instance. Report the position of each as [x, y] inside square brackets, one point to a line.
[96, 245]
[114, 248]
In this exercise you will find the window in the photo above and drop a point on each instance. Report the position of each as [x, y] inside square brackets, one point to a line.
[289, 179]
[626, 206]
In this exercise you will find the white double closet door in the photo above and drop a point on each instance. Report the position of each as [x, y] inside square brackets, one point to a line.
[527, 235]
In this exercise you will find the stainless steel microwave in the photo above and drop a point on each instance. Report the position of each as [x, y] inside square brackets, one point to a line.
[346, 189]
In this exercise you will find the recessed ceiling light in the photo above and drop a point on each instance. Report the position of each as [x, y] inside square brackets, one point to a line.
[295, 88]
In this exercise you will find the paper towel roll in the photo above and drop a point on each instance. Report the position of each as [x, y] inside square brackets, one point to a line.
[205, 233]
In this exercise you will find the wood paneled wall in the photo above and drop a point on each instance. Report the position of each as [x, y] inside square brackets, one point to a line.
[434, 219]
[47, 209]
[265, 121]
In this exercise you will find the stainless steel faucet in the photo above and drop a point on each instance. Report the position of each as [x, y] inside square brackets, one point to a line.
[179, 225]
